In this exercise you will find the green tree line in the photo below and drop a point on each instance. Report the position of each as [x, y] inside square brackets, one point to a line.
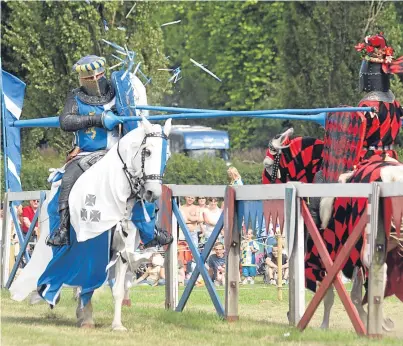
[269, 55]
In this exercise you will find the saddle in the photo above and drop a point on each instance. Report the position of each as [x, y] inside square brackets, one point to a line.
[91, 159]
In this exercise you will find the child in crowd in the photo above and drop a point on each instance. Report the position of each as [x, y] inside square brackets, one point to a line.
[272, 266]
[234, 176]
[216, 264]
[249, 247]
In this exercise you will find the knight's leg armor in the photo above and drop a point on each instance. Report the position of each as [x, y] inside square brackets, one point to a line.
[150, 235]
[161, 238]
[62, 235]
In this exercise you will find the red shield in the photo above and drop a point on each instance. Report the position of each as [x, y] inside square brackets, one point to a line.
[343, 143]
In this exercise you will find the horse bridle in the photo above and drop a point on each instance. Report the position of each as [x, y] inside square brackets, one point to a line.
[137, 182]
[276, 163]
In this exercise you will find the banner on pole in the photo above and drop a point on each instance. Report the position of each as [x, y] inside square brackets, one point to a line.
[13, 92]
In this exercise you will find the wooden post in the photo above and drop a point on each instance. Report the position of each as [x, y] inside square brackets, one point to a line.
[232, 259]
[377, 258]
[168, 222]
[333, 269]
[5, 242]
[294, 227]
[279, 265]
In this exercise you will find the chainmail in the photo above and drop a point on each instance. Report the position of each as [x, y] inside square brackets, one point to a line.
[96, 100]
[388, 96]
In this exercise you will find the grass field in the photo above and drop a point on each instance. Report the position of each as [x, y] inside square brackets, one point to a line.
[262, 322]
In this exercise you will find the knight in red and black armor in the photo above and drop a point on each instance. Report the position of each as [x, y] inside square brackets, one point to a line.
[384, 124]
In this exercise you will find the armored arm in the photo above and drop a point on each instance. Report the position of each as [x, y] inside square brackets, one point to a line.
[71, 121]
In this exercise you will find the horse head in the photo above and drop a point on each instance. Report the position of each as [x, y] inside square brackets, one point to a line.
[147, 156]
[296, 159]
[273, 154]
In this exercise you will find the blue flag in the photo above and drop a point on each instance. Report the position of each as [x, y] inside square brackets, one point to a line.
[13, 91]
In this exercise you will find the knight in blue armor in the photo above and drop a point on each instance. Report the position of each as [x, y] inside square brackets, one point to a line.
[89, 113]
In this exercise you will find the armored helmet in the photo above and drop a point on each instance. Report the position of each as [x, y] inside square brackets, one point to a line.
[376, 57]
[91, 74]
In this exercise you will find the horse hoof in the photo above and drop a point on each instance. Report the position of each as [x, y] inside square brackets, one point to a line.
[119, 329]
[35, 298]
[324, 326]
[388, 325]
[127, 302]
[87, 325]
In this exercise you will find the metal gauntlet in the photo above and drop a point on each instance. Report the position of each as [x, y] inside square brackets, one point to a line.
[72, 122]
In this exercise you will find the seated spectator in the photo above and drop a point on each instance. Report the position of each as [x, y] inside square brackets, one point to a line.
[155, 273]
[28, 214]
[249, 247]
[216, 264]
[272, 266]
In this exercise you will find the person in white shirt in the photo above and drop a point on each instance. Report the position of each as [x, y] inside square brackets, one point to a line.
[211, 216]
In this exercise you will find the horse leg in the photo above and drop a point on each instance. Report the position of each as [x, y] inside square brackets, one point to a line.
[118, 293]
[128, 283]
[76, 293]
[327, 303]
[88, 321]
[84, 315]
[388, 324]
[356, 295]
[79, 313]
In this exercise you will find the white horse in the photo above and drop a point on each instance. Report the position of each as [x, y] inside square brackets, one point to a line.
[131, 170]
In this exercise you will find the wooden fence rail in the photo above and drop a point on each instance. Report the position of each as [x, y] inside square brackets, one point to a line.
[291, 197]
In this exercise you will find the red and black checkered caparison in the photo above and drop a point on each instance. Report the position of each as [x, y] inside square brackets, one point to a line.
[345, 216]
[382, 128]
[344, 140]
[299, 161]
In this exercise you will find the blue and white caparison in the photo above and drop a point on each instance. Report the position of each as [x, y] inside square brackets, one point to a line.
[131, 170]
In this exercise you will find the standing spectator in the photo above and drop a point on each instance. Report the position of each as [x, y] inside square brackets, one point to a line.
[234, 176]
[201, 227]
[28, 214]
[211, 217]
[216, 264]
[191, 216]
[272, 266]
[249, 247]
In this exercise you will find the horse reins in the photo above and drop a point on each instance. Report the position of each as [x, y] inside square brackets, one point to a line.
[276, 163]
[136, 183]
